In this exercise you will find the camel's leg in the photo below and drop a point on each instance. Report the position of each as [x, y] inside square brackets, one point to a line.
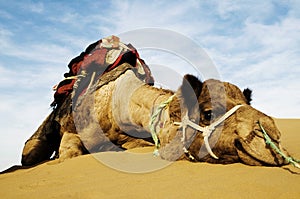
[43, 143]
[70, 146]
[35, 151]
[136, 143]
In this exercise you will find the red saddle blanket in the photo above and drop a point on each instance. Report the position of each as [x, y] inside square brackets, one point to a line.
[99, 57]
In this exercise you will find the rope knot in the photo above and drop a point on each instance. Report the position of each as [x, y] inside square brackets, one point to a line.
[207, 130]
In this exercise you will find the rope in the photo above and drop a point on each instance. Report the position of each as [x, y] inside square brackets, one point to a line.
[269, 142]
[54, 88]
[206, 130]
[74, 77]
[91, 81]
[152, 125]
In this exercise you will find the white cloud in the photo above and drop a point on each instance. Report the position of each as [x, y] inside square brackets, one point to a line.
[42, 52]
[226, 8]
[67, 17]
[20, 115]
[174, 15]
[35, 7]
[25, 102]
[264, 57]
[281, 101]
[5, 36]
[5, 14]
[276, 37]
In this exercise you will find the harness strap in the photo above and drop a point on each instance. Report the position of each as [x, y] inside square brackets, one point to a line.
[206, 130]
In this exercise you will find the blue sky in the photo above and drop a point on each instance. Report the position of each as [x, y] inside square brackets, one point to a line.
[254, 45]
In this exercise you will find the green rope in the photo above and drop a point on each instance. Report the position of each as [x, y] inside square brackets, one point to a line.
[152, 125]
[290, 160]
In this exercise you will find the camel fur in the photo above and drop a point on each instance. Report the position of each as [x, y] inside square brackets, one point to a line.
[116, 116]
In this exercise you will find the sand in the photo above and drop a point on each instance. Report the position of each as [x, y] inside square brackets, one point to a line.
[87, 177]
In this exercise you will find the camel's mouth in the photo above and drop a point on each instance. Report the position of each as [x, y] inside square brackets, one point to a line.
[254, 151]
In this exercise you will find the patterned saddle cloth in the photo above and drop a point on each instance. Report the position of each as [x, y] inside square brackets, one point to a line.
[99, 58]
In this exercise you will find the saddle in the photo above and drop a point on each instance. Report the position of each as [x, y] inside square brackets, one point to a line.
[99, 58]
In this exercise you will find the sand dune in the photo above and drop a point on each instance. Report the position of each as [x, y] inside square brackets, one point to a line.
[87, 177]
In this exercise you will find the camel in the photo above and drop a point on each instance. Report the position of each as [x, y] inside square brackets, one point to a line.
[210, 121]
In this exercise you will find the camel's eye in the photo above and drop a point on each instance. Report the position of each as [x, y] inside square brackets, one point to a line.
[208, 115]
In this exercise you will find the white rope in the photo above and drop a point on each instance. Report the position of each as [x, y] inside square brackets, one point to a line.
[206, 130]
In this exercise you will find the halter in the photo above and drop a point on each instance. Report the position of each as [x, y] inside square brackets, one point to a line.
[206, 130]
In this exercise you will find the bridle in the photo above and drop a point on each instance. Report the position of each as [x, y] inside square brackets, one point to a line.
[206, 131]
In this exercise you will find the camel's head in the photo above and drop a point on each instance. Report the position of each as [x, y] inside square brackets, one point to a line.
[239, 137]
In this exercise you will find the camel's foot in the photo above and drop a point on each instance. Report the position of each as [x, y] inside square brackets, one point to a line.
[70, 146]
[136, 143]
[36, 151]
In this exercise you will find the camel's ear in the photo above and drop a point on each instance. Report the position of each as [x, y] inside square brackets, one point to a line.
[190, 90]
[248, 94]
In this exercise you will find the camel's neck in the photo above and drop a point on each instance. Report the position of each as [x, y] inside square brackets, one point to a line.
[134, 102]
[144, 103]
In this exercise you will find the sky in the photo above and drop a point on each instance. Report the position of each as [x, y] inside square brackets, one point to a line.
[255, 45]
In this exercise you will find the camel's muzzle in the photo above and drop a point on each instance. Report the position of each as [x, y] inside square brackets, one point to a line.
[257, 152]
[251, 144]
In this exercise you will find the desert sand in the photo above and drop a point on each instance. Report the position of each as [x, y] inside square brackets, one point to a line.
[137, 174]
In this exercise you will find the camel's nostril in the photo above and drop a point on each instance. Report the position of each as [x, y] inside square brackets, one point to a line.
[238, 144]
[270, 127]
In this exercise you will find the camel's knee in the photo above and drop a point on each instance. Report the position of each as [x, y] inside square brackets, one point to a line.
[70, 146]
[35, 151]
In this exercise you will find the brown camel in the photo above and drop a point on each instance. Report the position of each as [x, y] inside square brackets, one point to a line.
[209, 121]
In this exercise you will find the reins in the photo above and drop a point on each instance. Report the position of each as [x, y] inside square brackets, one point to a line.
[289, 160]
